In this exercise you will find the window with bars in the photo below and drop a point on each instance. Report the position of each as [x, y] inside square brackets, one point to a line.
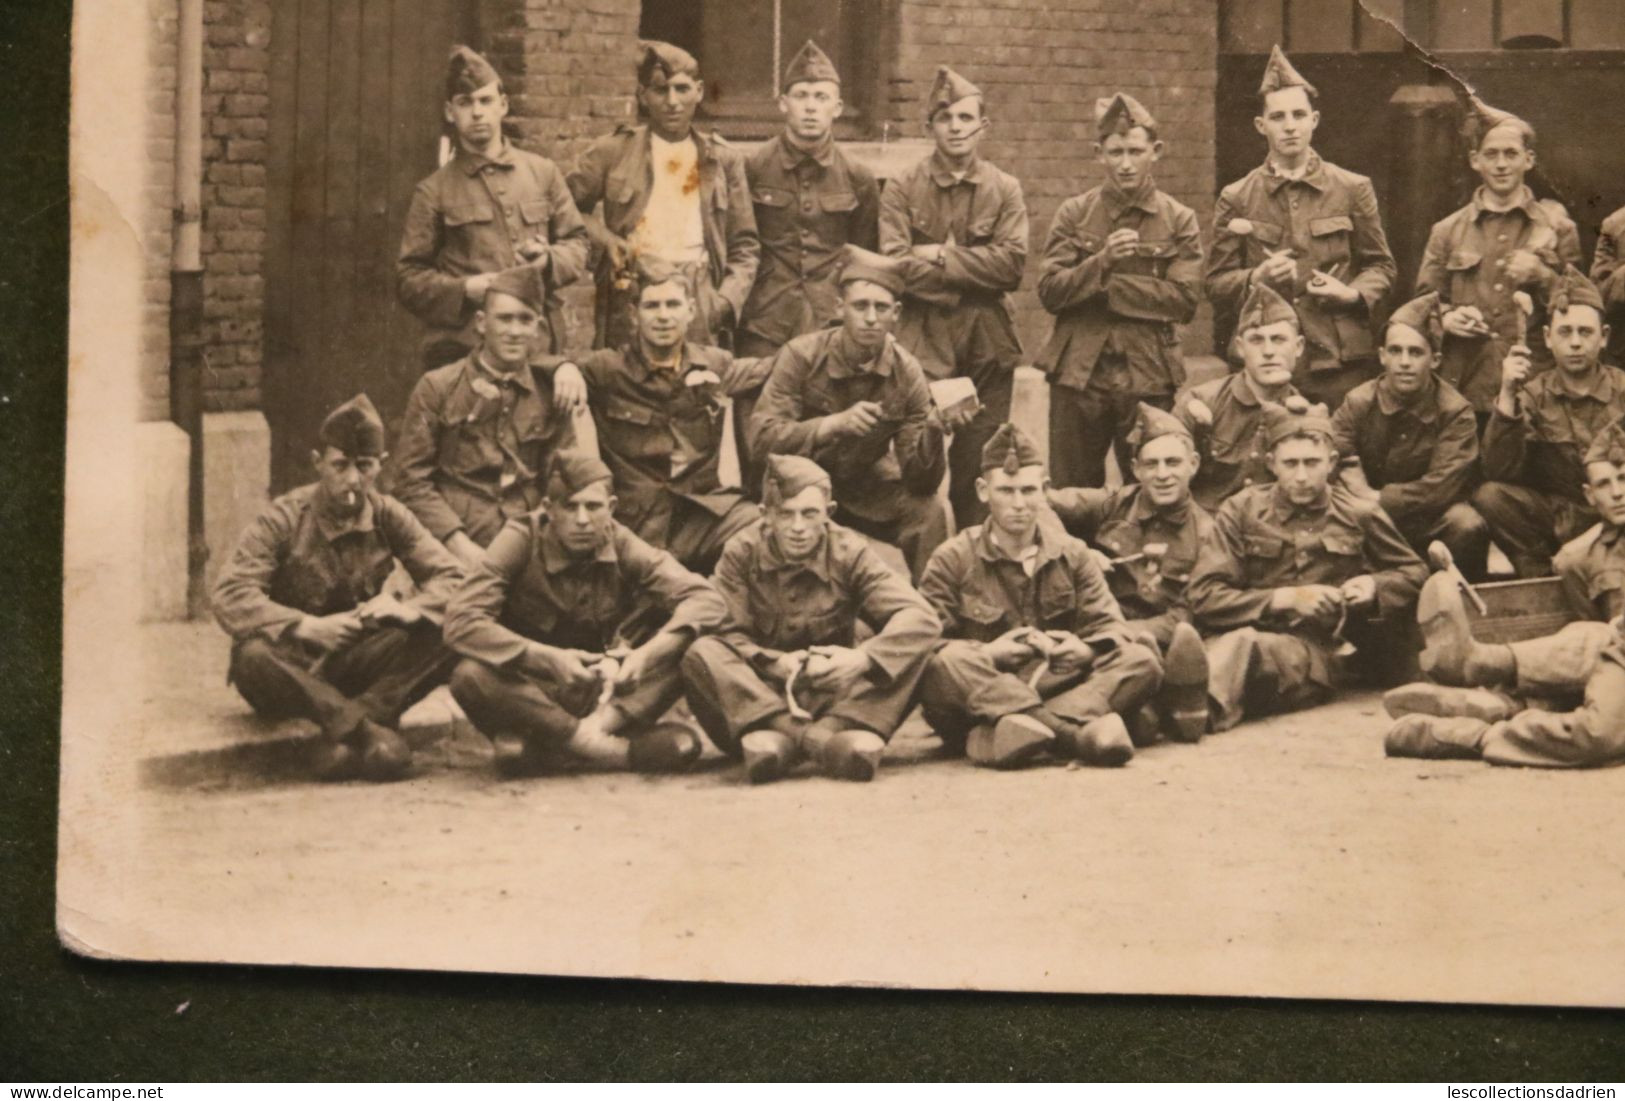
[1368, 26]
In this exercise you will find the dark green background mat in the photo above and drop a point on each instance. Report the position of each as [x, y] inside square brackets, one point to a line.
[67, 1019]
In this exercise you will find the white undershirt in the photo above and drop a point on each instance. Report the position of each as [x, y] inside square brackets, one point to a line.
[671, 227]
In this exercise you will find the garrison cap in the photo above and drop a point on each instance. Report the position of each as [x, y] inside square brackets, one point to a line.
[1482, 118]
[810, 65]
[520, 283]
[1572, 288]
[354, 428]
[570, 471]
[1422, 314]
[788, 475]
[948, 89]
[1151, 423]
[1281, 421]
[858, 263]
[665, 59]
[1009, 449]
[1279, 73]
[1608, 446]
[649, 270]
[1120, 113]
[467, 71]
[1264, 306]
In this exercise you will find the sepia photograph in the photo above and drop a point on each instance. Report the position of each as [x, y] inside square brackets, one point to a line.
[1088, 496]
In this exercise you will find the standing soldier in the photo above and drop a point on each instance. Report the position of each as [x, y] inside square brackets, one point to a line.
[1480, 258]
[477, 433]
[550, 673]
[785, 677]
[645, 177]
[1608, 272]
[492, 208]
[1298, 571]
[314, 635]
[1540, 428]
[1122, 271]
[1039, 659]
[1409, 441]
[1309, 230]
[966, 222]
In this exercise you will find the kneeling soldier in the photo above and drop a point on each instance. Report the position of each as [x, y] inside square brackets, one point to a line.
[1151, 532]
[540, 624]
[783, 678]
[1297, 571]
[313, 634]
[1039, 660]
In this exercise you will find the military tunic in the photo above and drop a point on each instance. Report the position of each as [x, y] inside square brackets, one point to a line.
[295, 560]
[980, 593]
[1608, 273]
[1271, 661]
[1465, 261]
[1233, 448]
[1116, 338]
[471, 217]
[473, 445]
[776, 606]
[958, 318]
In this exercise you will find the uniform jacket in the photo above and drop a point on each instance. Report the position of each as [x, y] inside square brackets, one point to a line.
[1421, 457]
[1329, 220]
[470, 217]
[1264, 542]
[1592, 569]
[1233, 450]
[980, 593]
[1465, 261]
[1544, 446]
[807, 206]
[1135, 307]
[617, 172]
[471, 450]
[776, 606]
[1606, 267]
[529, 589]
[295, 560]
[812, 378]
[959, 318]
[1121, 522]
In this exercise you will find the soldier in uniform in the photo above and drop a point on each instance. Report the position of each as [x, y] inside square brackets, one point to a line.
[1122, 271]
[1039, 660]
[492, 208]
[1226, 415]
[1309, 230]
[314, 635]
[562, 661]
[784, 677]
[657, 404]
[853, 399]
[1505, 241]
[1150, 532]
[1298, 571]
[1409, 441]
[1608, 272]
[1540, 428]
[477, 433]
[645, 176]
[964, 222]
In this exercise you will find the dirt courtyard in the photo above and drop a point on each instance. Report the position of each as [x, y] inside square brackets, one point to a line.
[1287, 857]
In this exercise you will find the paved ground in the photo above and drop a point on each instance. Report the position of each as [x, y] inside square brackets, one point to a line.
[1287, 857]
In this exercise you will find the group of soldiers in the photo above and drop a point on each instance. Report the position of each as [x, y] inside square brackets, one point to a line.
[789, 365]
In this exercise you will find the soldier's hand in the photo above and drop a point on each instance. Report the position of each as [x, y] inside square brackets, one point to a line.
[474, 287]
[860, 419]
[1360, 591]
[960, 414]
[931, 254]
[329, 633]
[620, 253]
[1011, 650]
[833, 668]
[785, 666]
[385, 608]
[1278, 269]
[1524, 267]
[633, 666]
[1465, 321]
[1069, 653]
[1102, 559]
[571, 670]
[536, 253]
[1515, 369]
[1200, 413]
[569, 389]
[1120, 245]
[1307, 602]
[1330, 288]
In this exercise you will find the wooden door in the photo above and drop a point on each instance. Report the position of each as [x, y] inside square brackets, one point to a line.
[355, 123]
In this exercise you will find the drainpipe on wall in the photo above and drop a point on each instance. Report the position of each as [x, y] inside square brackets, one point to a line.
[186, 353]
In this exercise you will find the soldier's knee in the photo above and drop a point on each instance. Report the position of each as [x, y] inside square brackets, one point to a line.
[1135, 659]
[471, 682]
[1494, 500]
[703, 654]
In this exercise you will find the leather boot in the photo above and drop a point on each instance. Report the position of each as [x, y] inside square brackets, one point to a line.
[1012, 741]
[1437, 738]
[1450, 655]
[1182, 700]
[1483, 704]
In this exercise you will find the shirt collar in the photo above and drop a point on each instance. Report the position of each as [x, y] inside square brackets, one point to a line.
[1525, 203]
[1424, 406]
[1285, 508]
[1314, 174]
[555, 559]
[1141, 198]
[1141, 510]
[645, 369]
[816, 564]
[475, 163]
[791, 156]
[838, 365]
[1242, 389]
[479, 369]
[943, 176]
[1047, 536]
[1608, 534]
[1598, 385]
[333, 527]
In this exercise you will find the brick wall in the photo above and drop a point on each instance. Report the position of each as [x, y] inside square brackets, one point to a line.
[158, 216]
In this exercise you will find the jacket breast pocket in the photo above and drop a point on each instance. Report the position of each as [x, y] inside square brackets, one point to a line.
[536, 212]
[1265, 237]
[1233, 448]
[1342, 546]
[979, 233]
[838, 202]
[1057, 600]
[982, 620]
[1332, 237]
[468, 214]
[1266, 548]
[634, 430]
[772, 199]
[471, 449]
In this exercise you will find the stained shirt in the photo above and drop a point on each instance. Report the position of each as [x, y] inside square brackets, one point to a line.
[1263, 542]
[1233, 449]
[1544, 446]
[1592, 569]
[1132, 308]
[808, 203]
[1420, 454]
[777, 605]
[528, 588]
[471, 217]
[473, 446]
[1328, 217]
[1465, 262]
[296, 559]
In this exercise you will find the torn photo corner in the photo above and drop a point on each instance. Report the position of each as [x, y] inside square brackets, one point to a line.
[274, 641]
